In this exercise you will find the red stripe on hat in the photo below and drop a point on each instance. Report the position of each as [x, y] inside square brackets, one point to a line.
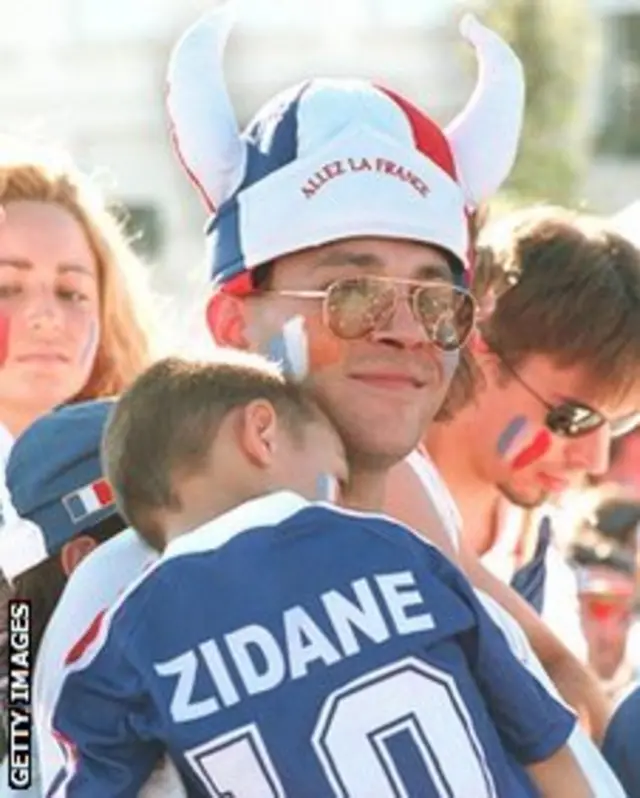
[78, 649]
[428, 137]
[175, 142]
[103, 491]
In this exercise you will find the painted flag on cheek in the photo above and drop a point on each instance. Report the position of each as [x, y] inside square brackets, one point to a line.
[5, 328]
[304, 346]
[522, 443]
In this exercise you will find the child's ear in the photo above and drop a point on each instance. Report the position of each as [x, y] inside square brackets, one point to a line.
[74, 552]
[259, 432]
[226, 320]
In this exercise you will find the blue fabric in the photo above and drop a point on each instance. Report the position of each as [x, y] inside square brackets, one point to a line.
[323, 669]
[621, 745]
[530, 580]
[56, 456]
[272, 142]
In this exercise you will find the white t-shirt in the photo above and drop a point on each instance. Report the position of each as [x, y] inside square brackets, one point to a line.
[600, 776]
[92, 588]
[561, 608]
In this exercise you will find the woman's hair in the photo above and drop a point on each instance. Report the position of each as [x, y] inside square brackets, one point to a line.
[123, 352]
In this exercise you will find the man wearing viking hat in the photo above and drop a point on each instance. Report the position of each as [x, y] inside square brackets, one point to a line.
[343, 207]
[345, 204]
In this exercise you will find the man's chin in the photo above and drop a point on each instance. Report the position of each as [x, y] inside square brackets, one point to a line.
[521, 497]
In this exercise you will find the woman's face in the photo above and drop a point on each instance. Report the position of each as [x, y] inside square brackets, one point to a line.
[49, 307]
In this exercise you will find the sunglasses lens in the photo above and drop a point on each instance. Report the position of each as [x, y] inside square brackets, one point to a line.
[573, 420]
[447, 314]
[356, 306]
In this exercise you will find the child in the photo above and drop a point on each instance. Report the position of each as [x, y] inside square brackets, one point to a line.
[282, 647]
[66, 510]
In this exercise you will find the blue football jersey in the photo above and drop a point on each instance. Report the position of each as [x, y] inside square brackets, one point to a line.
[293, 649]
[621, 745]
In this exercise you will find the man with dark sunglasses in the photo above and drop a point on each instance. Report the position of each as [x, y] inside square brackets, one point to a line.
[559, 356]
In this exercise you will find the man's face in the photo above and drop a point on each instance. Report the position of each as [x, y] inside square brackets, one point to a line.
[606, 620]
[510, 444]
[381, 390]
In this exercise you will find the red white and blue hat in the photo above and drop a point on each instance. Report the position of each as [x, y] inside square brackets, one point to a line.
[331, 159]
[55, 480]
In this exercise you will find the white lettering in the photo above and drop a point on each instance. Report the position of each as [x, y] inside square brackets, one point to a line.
[264, 644]
[399, 599]
[183, 708]
[365, 615]
[305, 642]
[219, 673]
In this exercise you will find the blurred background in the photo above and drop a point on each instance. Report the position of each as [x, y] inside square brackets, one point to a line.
[89, 74]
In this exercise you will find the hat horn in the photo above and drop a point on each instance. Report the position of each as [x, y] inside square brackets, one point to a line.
[484, 137]
[204, 127]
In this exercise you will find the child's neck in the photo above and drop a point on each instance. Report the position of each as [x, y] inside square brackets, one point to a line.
[196, 516]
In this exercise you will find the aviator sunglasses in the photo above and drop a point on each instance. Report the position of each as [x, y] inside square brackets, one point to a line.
[572, 419]
[353, 307]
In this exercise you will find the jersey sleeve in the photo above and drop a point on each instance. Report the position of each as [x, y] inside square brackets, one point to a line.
[622, 743]
[102, 721]
[530, 721]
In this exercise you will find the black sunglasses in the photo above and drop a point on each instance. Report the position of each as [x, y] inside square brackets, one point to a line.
[353, 307]
[571, 419]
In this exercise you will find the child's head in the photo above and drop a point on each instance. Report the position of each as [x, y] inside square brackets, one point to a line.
[189, 441]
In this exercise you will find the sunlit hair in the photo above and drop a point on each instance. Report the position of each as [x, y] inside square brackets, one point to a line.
[565, 286]
[43, 175]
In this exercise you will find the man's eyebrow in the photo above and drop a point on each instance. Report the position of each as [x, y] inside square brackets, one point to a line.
[341, 257]
[367, 260]
[434, 271]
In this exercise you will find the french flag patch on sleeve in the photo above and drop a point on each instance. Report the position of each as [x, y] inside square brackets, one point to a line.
[88, 500]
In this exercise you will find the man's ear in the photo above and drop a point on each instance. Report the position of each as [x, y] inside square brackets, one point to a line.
[226, 320]
[258, 432]
[75, 551]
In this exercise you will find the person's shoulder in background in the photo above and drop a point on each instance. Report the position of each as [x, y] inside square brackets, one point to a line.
[620, 745]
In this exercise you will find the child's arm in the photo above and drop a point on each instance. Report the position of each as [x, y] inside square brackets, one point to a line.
[559, 776]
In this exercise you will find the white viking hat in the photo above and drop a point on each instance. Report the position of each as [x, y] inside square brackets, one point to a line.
[334, 159]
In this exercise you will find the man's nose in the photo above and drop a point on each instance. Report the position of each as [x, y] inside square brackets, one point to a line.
[402, 328]
[592, 452]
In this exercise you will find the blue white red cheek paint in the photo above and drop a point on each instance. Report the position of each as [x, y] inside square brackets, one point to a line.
[326, 488]
[90, 345]
[450, 362]
[290, 348]
[303, 346]
[510, 434]
[5, 327]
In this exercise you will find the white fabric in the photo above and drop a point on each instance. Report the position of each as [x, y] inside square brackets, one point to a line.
[94, 586]
[439, 495]
[561, 609]
[359, 164]
[600, 776]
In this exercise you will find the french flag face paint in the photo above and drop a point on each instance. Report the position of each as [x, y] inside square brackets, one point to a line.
[90, 345]
[510, 434]
[536, 449]
[5, 329]
[326, 488]
[88, 500]
[521, 444]
[304, 346]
